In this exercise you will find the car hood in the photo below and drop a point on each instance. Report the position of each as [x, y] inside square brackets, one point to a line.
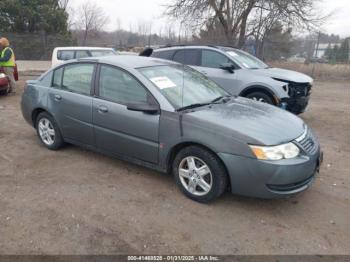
[249, 121]
[284, 74]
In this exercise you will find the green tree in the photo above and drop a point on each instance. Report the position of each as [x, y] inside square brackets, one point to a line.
[32, 16]
[328, 53]
[334, 57]
[343, 52]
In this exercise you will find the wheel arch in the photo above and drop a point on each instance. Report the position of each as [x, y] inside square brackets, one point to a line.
[257, 88]
[36, 112]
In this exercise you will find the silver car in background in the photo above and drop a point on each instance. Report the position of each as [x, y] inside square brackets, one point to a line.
[169, 117]
[242, 74]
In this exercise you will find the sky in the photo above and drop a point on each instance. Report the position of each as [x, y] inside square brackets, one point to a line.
[134, 12]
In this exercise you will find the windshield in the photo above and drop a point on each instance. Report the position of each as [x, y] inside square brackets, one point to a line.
[96, 53]
[182, 86]
[246, 60]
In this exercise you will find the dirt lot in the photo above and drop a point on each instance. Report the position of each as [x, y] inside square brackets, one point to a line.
[79, 202]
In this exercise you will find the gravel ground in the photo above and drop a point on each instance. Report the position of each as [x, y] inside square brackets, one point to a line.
[79, 202]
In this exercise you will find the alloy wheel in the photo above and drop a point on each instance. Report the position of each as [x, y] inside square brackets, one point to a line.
[195, 176]
[260, 99]
[46, 131]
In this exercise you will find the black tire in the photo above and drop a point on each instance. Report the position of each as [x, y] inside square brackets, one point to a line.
[4, 92]
[261, 96]
[218, 173]
[58, 141]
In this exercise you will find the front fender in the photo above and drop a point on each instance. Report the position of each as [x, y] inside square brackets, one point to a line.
[250, 80]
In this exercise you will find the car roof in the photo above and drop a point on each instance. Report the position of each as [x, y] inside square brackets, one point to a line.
[82, 48]
[210, 47]
[129, 61]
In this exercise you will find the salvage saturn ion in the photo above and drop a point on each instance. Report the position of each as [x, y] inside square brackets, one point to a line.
[167, 116]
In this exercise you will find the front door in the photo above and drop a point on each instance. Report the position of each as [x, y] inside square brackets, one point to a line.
[117, 129]
[210, 66]
[70, 101]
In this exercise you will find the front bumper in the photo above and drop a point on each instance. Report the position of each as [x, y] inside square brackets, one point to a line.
[295, 105]
[271, 179]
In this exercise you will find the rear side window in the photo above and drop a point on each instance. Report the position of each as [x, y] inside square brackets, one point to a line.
[57, 78]
[46, 80]
[65, 55]
[187, 57]
[119, 86]
[213, 59]
[81, 54]
[163, 54]
[77, 78]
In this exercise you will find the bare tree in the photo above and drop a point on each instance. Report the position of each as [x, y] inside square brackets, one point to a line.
[90, 19]
[297, 14]
[232, 15]
[237, 18]
[63, 4]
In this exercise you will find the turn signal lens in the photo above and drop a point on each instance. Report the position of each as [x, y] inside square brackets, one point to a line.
[259, 153]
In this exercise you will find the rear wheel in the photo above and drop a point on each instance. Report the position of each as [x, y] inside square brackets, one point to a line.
[261, 97]
[4, 92]
[199, 174]
[48, 131]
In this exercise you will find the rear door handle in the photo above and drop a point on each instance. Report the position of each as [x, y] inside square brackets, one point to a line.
[58, 97]
[102, 109]
[204, 73]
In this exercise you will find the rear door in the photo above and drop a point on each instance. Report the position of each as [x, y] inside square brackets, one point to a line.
[189, 57]
[117, 129]
[70, 101]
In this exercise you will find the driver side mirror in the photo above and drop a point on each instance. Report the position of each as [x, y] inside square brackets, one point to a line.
[144, 107]
[228, 67]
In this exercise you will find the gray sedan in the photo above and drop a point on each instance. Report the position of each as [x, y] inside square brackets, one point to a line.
[168, 117]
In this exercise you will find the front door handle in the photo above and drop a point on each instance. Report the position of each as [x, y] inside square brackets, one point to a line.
[102, 109]
[204, 73]
[58, 97]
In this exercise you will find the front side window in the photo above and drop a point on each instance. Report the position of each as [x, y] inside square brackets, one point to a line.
[77, 78]
[182, 86]
[120, 87]
[65, 55]
[246, 60]
[213, 59]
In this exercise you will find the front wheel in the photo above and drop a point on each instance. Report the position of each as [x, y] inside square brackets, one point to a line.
[261, 97]
[199, 174]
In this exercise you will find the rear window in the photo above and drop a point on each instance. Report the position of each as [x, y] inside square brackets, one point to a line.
[65, 55]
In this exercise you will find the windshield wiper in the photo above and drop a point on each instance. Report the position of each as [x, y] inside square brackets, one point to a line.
[215, 101]
[220, 98]
[192, 106]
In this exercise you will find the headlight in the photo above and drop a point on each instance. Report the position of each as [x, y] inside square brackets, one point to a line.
[2, 75]
[275, 152]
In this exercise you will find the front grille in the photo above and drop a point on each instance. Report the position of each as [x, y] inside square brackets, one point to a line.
[296, 90]
[308, 142]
